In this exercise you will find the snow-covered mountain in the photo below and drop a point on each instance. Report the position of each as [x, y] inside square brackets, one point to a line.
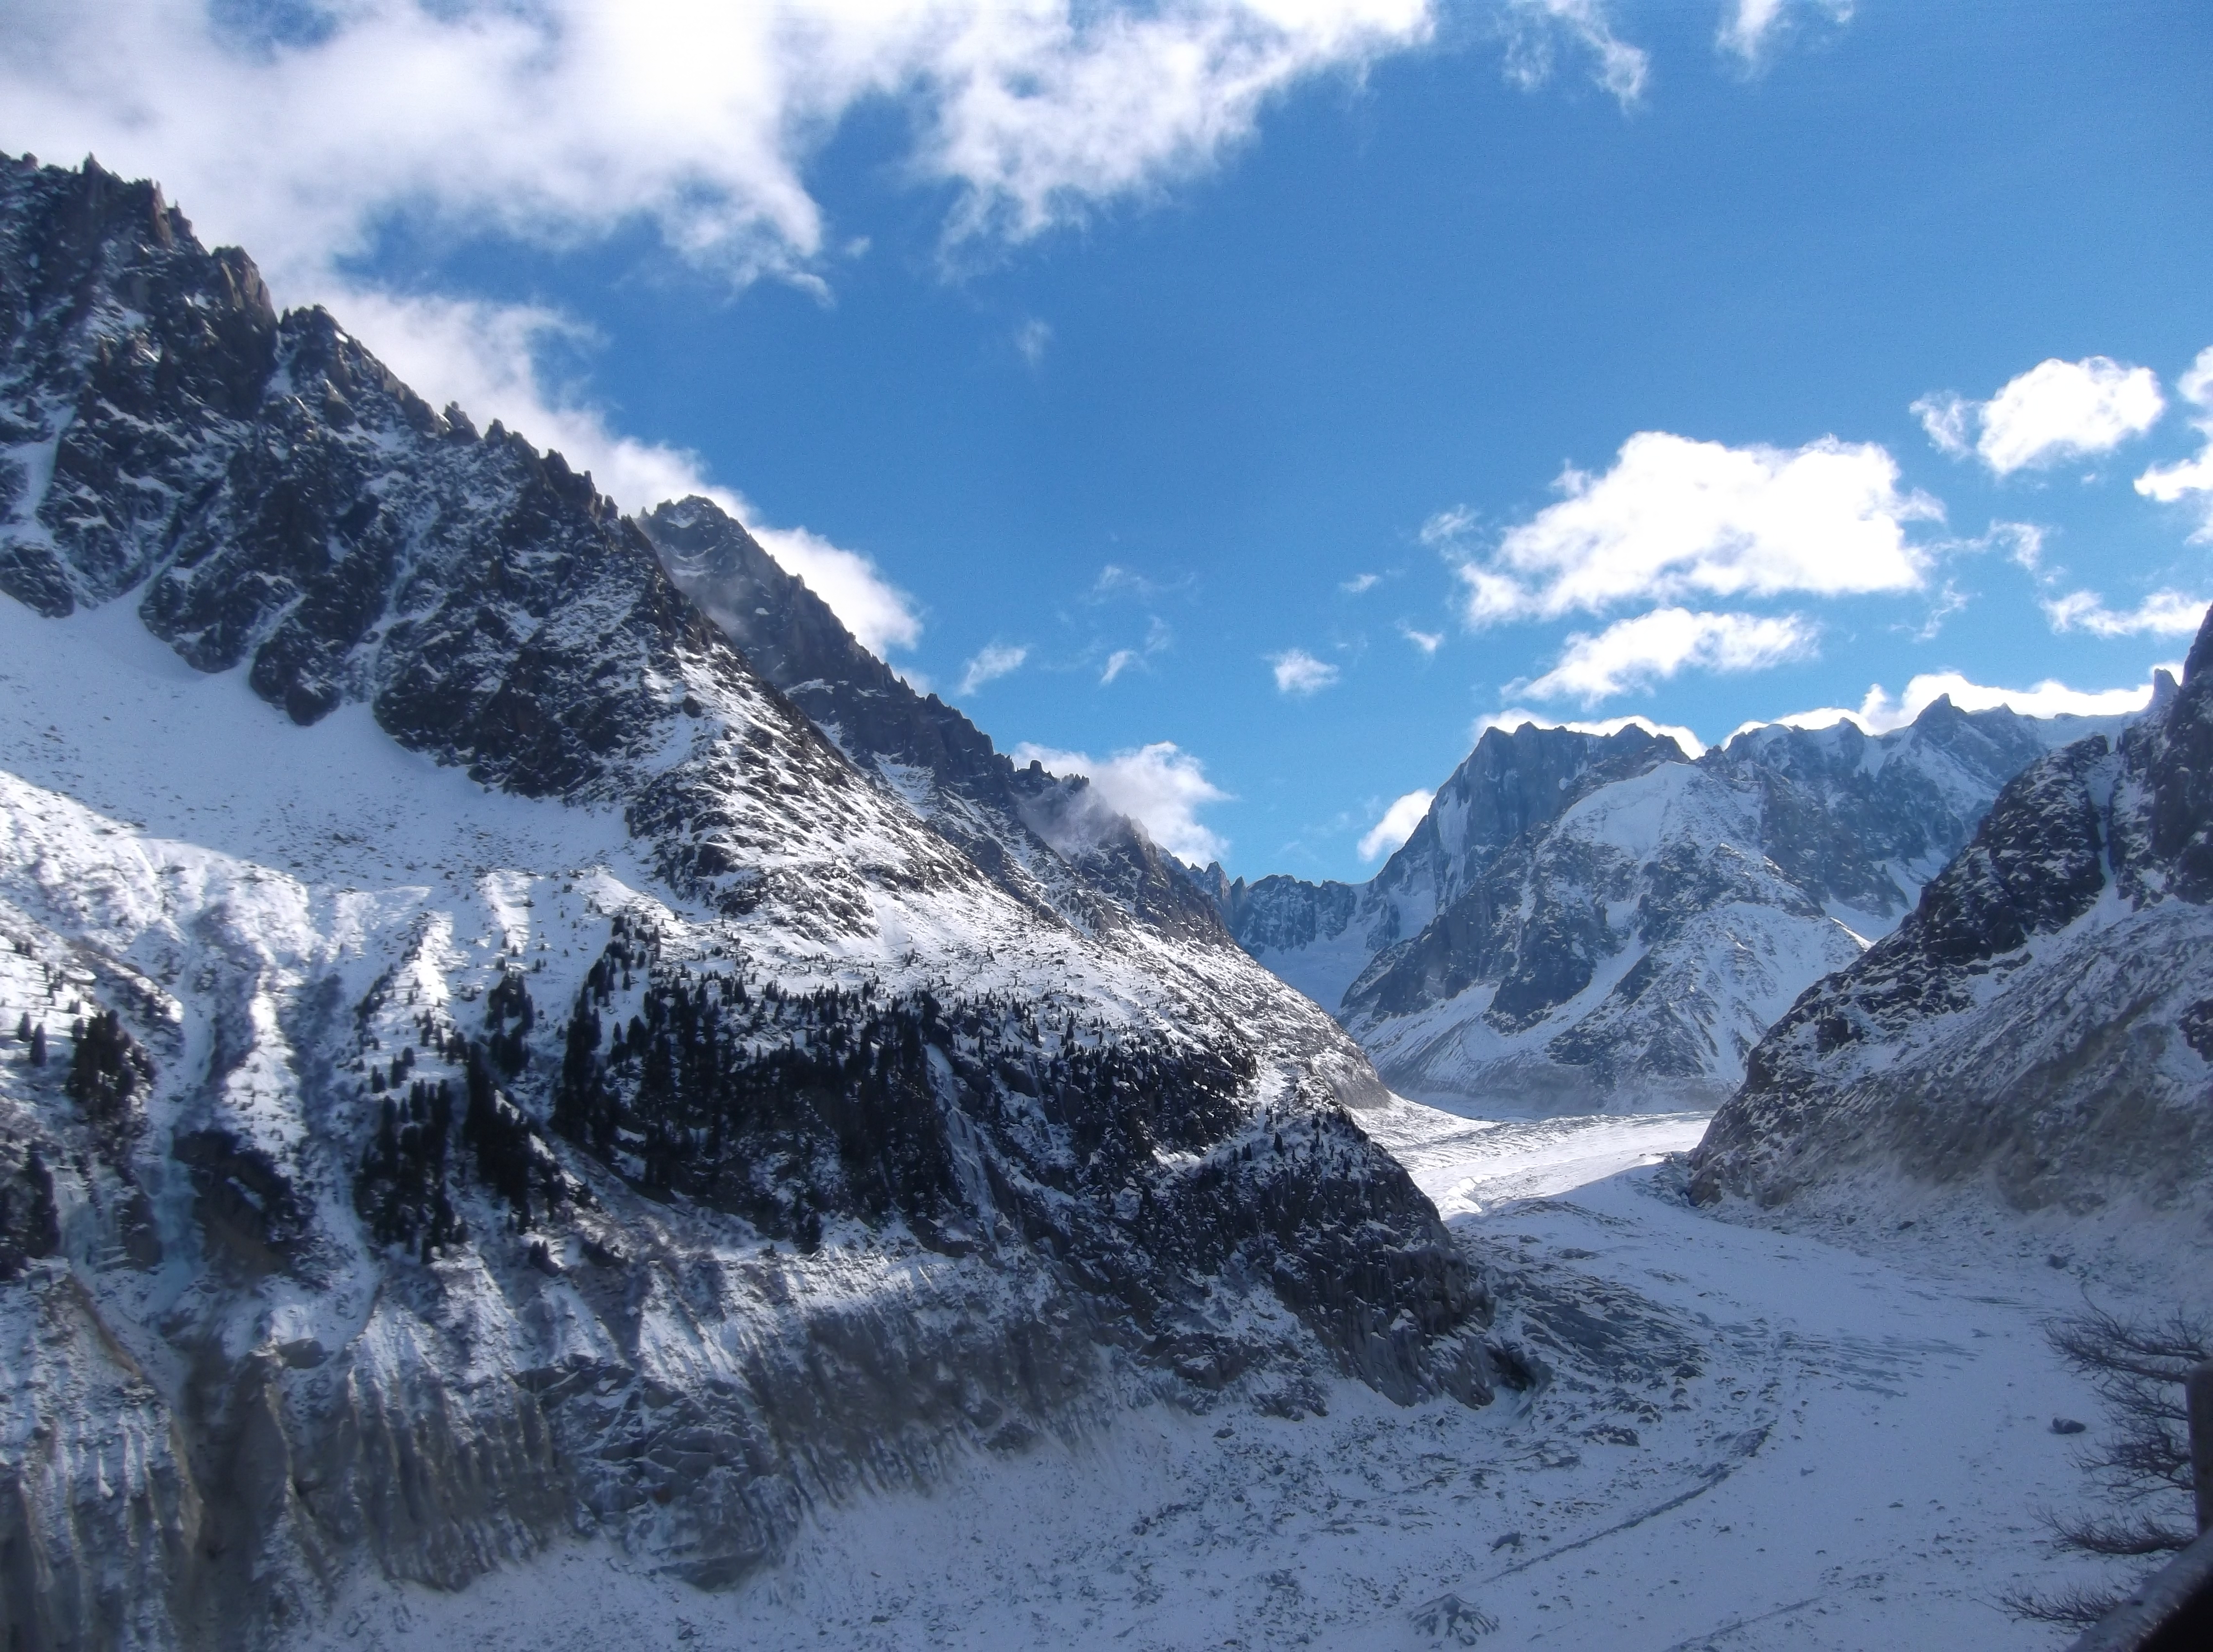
[481, 1064]
[2041, 1026]
[1581, 921]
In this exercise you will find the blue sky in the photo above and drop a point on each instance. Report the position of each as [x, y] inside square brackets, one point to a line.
[1409, 364]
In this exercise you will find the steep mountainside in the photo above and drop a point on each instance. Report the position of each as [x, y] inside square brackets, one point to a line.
[1042, 837]
[1582, 920]
[2041, 1025]
[480, 1067]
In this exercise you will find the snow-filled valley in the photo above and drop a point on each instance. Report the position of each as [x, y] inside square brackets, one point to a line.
[1751, 1438]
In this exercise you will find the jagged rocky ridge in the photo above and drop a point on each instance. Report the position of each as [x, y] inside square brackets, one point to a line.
[2040, 1028]
[493, 1070]
[1582, 920]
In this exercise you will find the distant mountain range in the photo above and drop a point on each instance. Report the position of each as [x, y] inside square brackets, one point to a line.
[1583, 922]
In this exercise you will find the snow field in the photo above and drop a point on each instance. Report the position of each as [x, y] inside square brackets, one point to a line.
[1855, 1461]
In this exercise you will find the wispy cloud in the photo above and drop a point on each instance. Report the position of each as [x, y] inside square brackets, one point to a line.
[1673, 517]
[2055, 410]
[1160, 786]
[993, 662]
[2163, 613]
[1360, 584]
[1158, 637]
[1449, 526]
[1751, 29]
[1397, 825]
[1428, 642]
[1539, 31]
[1299, 674]
[1031, 339]
[2189, 480]
[1115, 581]
[1633, 653]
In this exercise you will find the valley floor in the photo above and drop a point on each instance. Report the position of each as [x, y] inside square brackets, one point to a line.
[1752, 1439]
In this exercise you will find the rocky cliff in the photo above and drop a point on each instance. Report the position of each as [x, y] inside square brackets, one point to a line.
[2041, 1026]
[1584, 921]
[486, 1061]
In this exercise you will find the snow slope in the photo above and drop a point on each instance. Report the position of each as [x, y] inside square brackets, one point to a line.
[2040, 1031]
[1838, 1438]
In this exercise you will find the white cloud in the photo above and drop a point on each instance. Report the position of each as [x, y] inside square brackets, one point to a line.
[1031, 340]
[1397, 825]
[1879, 713]
[1428, 641]
[993, 662]
[1360, 584]
[2055, 410]
[1160, 786]
[1118, 662]
[560, 120]
[1536, 29]
[2171, 483]
[1675, 516]
[2163, 613]
[1751, 27]
[1509, 721]
[1632, 654]
[1444, 527]
[1299, 672]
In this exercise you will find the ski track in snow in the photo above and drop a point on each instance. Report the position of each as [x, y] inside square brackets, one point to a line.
[1857, 1464]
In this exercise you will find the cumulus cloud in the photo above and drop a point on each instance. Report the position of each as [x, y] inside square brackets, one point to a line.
[2055, 410]
[1397, 825]
[1537, 31]
[1750, 28]
[2163, 613]
[1428, 641]
[995, 662]
[1509, 721]
[1880, 712]
[1160, 786]
[1675, 516]
[1632, 653]
[2190, 479]
[1298, 673]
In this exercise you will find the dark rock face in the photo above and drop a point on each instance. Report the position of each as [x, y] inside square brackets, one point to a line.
[2033, 1025]
[896, 1102]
